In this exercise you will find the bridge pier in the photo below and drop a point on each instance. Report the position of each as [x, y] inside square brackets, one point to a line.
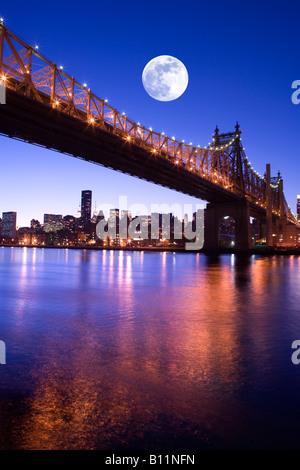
[240, 212]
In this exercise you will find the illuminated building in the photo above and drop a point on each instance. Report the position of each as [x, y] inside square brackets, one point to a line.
[9, 222]
[52, 222]
[86, 207]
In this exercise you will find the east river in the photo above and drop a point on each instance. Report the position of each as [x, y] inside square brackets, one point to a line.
[136, 350]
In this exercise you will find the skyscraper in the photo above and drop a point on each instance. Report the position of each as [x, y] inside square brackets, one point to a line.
[86, 207]
[298, 206]
[9, 222]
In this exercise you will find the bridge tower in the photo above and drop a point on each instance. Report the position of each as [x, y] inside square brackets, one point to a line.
[282, 221]
[239, 210]
[269, 204]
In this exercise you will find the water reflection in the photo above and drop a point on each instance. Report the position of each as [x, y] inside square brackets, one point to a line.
[112, 350]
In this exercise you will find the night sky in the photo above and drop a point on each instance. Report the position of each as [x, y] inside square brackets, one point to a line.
[241, 56]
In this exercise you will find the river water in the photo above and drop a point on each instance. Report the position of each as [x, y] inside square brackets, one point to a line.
[132, 350]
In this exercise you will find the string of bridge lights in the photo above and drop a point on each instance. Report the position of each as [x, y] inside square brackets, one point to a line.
[222, 147]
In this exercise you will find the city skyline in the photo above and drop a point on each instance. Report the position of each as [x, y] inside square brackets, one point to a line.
[86, 213]
[118, 228]
[261, 117]
[106, 208]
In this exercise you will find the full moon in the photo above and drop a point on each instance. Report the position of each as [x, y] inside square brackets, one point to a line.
[165, 78]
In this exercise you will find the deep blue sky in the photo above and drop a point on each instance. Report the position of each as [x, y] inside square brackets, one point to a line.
[241, 56]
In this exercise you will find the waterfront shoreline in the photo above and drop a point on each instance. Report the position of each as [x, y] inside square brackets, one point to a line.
[264, 251]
